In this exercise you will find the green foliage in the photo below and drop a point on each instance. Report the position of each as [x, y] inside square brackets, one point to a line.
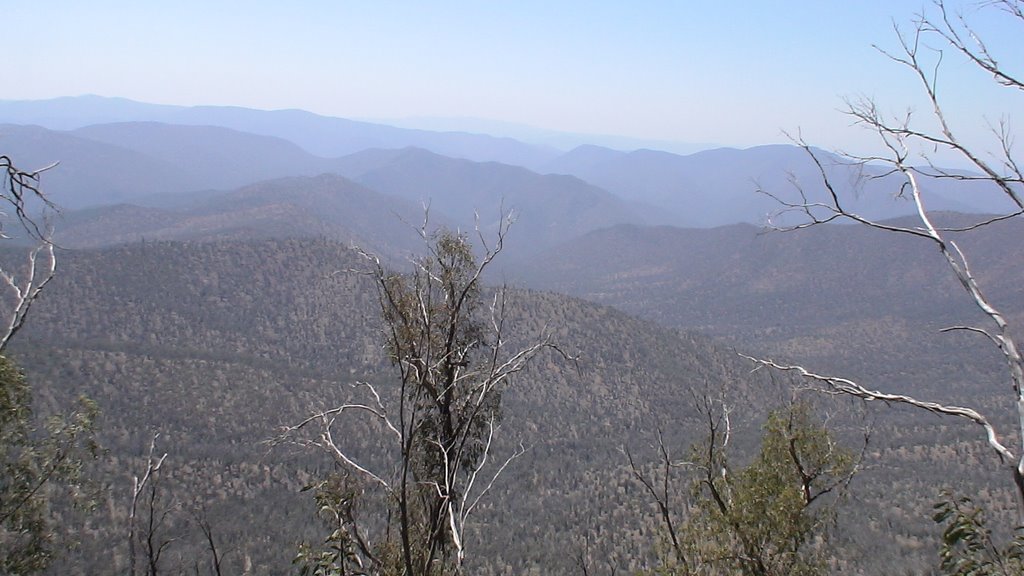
[33, 463]
[771, 517]
[336, 498]
[968, 548]
[345, 550]
[433, 333]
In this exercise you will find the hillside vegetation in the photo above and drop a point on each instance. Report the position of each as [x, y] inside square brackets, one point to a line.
[209, 292]
[215, 345]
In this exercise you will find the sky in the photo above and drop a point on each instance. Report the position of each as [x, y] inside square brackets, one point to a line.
[730, 73]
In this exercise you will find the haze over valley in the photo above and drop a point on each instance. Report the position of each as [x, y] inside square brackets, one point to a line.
[203, 261]
[418, 294]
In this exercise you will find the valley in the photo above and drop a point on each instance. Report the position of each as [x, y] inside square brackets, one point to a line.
[209, 289]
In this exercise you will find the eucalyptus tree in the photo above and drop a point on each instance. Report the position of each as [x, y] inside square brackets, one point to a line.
[773, 516]
[447, 339]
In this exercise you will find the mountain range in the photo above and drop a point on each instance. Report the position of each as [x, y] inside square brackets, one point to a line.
[319, 135]
[117, 151]
[203, 291]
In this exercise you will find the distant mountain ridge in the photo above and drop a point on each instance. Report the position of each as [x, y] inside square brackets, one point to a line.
[155, 150]
[323, 206]
[220, 158]
[548, 208]
[90, 172]
[718, 187]
[826, 297]
[209, 298]
[377, 207]
[323, 136]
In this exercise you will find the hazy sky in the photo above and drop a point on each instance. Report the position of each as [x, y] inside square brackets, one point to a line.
[735, 73]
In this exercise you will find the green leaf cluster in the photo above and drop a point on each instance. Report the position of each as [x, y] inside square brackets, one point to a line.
[771, 517]
[33, 463]
[968, 547]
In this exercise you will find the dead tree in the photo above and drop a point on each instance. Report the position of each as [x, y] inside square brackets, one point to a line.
[902, 141]
[449, 348]
[30, 210]
[145, 492]
[662, 491]
[216, 556]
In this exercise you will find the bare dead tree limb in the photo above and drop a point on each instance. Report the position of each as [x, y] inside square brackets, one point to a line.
[898, 138]
[662, 498]
[153, 465]
[22, 191]
[216, 556]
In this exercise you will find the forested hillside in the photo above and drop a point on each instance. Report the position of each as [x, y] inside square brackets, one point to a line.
[271, 341]
[213, 318]
[215, 345]
[830, 295]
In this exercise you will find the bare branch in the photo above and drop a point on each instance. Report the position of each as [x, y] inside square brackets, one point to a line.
[452, 361]
[661, 499]
[851, 388]
[21, 189]
[153, 465]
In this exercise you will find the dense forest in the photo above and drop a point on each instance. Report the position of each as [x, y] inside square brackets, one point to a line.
[216, 345]
[273, 342]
